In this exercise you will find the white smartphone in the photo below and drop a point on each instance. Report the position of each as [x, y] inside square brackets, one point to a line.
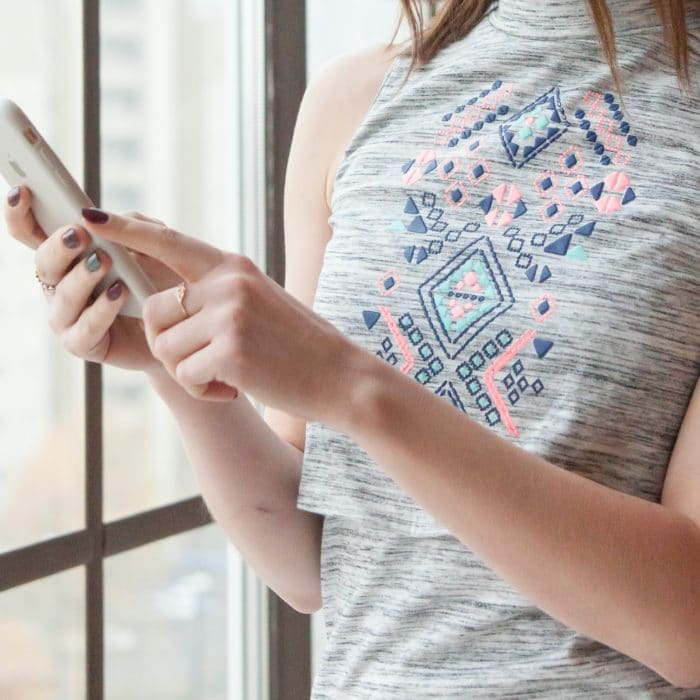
[57, 199]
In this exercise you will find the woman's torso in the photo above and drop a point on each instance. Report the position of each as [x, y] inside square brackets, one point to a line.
[485, 244]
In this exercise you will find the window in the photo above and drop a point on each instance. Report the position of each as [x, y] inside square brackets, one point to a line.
[113, 580]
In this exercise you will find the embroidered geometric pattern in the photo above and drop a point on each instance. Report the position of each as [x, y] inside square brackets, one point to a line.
[465, 288]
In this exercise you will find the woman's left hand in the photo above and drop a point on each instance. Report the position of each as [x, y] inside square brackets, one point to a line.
[243, 329]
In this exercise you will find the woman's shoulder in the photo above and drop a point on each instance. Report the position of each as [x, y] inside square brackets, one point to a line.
[343, 90]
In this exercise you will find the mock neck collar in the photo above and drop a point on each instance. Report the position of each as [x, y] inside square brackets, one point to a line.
[567, 18]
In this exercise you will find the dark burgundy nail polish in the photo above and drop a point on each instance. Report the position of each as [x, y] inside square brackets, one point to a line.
[114, 290]
[71, 238]
[13, 196]
[95, 216]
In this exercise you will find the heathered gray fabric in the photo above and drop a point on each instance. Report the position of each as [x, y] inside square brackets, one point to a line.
[574, 332]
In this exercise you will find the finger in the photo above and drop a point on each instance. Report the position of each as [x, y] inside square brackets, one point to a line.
[162, 310]
[55, 256]
[89, 336]
[21, 223]
[197, 369]
[218, 391]
[189, 257]
[132, 214]
[195, 373]
[177, 342]
[73, 291]
[182, 340]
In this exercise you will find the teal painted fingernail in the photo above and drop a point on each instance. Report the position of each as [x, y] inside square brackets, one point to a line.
[93, 262]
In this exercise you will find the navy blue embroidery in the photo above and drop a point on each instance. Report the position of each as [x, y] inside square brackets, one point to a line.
[533, 128]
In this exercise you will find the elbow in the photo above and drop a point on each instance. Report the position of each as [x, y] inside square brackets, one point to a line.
[306, 604]
[685, 682]
[685, 672]
[682, 669]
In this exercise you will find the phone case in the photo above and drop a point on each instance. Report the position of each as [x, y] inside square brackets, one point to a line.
[57, 199]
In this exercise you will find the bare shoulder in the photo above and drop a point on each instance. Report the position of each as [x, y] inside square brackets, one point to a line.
[346, 86]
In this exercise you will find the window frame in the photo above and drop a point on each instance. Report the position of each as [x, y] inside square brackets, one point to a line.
[289, 632]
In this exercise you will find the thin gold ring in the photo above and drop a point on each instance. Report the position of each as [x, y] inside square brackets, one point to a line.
[47, 287]
[180, 294]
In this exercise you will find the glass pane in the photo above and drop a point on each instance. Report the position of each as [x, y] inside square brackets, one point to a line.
[41, 415]
[42, 639]
[165, 607]
[168, 77]
[335, 27]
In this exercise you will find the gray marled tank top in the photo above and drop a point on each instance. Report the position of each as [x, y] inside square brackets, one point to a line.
[518, 240]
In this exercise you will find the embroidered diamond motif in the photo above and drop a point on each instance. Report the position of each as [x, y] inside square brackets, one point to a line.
[465, 295]
[533, 128]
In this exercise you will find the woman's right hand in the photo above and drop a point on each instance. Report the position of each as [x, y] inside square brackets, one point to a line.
[90, 330]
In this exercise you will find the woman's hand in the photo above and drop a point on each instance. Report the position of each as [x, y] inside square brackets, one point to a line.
[90, 330]
[242, 330]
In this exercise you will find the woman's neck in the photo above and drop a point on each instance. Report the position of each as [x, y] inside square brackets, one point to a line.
[566, 18]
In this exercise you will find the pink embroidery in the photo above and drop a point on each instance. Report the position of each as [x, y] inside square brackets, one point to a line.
[461, 194]
[458, 309]
[613, 192]
[416, 172]
[542, 177]
[547, 301]
[574, 153]
[410, 360]
[492, 100]
[560, 209]
[617, 182]
[622, 159]
[500, 192]
[502, 217]
[389, 274]
[593, 101]
[442, 136]
[608, 204]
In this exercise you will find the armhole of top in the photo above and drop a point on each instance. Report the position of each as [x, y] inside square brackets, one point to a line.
[342, 166]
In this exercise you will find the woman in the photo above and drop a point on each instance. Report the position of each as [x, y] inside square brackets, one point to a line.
[490, 419]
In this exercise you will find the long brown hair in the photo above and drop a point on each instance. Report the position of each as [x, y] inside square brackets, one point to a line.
[454, 19]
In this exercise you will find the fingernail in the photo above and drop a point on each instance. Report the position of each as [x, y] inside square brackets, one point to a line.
[115, 290]
[71, 238]
[93, 262]
[13, 196]
[95, 216]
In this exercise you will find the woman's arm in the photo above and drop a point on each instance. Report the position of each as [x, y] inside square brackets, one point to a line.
[619, 569]
[249, 478]
[248, 467]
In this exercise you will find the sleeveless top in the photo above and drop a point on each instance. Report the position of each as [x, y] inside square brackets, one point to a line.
[521, 240]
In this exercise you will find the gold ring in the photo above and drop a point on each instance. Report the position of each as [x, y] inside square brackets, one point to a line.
[180, 294]
[47, 287]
